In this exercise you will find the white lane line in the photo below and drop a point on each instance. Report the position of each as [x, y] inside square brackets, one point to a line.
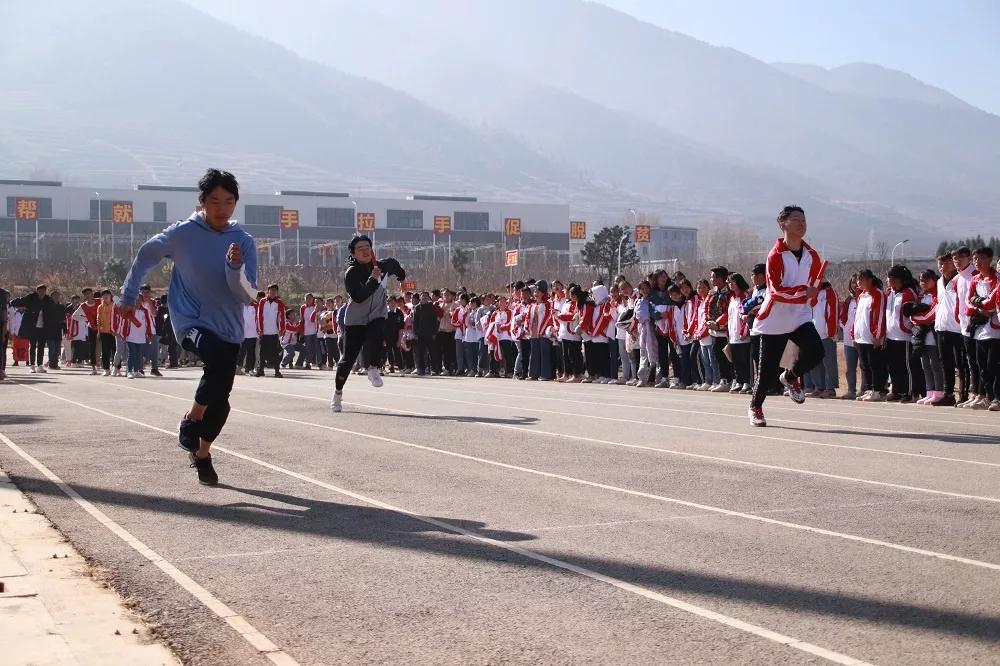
[859, 410]
[256, 639]
[660, 407]
[569, 479]
[673, 602]
[700, 429]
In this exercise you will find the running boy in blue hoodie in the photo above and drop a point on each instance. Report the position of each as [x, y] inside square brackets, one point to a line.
[214, 275]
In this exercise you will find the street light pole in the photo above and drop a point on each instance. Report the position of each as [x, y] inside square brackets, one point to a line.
[620, 244]
[100, 244]
[892, 256]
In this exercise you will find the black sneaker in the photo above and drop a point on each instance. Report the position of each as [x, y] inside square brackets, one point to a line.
[189, 435]
[206, 473]
[277, 373]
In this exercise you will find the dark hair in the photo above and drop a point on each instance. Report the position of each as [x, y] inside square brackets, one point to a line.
[672, 288]
[214, 178]
[357, 239]
[145, 287]
[261, 294]
[436, 293]
[86, 289]
[679, 274]
[929, 275]
[986, 251]
[475, 301]
[41, 286]
[787, 211]
[705, 282]
[106, 291]
[903, 274]
[309, 294]
[272, 286]
[740, 281]
[74, 296]
[963, 251]
[519, 285]
[944, 257]
[869, 274]
[687, 282]
[759, 269]
[721, 271]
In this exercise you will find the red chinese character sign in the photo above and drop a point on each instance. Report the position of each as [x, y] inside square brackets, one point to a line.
[409, 285]
[511, 259]
[26, 209]
[121, 212]
[643, 233]
[289, 218]
[366, 222]
[442, 225]
[512, 226]
[577, 230]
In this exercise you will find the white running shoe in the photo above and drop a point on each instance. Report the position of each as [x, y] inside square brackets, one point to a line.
[31, 369]
[663, 383]
[130, 375]
[980, 403]
[107, 373]
[336, 403]
[42, 369]
[375, 377]
[721, 387]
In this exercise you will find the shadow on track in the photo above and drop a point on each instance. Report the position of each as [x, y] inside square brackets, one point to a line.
[386, 528]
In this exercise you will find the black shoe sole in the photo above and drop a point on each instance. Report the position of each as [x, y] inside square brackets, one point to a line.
[181, 444]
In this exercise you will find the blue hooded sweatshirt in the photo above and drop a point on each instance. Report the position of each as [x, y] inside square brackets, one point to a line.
[206, 291]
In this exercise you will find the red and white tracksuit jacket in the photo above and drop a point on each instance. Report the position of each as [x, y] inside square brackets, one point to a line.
[946, 317]
[985, 286]
[595, 321]
[308, 315]
[270, 316]
[539, 319]
[824, 308]
[898, 326]
[290, 333]
[847, 310]
[786, 305]
[928, 318]
[736, 324]
[869, 317]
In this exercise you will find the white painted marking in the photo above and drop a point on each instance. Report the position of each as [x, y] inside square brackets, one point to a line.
[259, 641]
[561, 477]
[673, 426]
[673, 602]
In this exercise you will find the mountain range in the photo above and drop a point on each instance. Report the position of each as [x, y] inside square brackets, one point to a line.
[541, 100]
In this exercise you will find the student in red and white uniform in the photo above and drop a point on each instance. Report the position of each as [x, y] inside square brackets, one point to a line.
[538, 323]
[899, 332]
[270, 325]
[794, 271]
[983, 317]
[247, 360]
[623, 304]
[825, 377]
[519, 331]
[706, 351]
[595, 319]
[738, 329]
[499, 336]
[458, 324]
[845, 318]
[962, 257]
[136, 328]
[90, 304]
[309, 318]
[77, 332]
[925, 339]
[868, 331]
[691, 304]
[328, 334]
[290, 336]
[948, 331]
[567, 317]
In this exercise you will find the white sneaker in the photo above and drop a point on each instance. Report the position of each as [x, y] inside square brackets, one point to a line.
[335, 402]
[107, 373]
[980, 403]
[31, 369]
[721, 387]
[706, 387]
[375, 377]
[615, 381]
[130, 375]
[42, 369]
[663, 383]
[93, 371]
[873, 396]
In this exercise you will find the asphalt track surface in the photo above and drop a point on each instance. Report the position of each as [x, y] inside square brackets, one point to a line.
[453, 520]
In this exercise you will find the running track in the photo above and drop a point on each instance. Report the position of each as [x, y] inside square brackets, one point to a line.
[442, 520]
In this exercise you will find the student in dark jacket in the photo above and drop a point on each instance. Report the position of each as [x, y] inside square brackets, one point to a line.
[4, 303]
[425, 327]
[364, 317]
[54, 316]
[33, 324]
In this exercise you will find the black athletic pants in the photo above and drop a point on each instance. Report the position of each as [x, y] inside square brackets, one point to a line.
[107, 349]
[597, 359]
[873, 367]
[897, 354]
[972, 358]
[725, 367]
[248, 355]
[952, 351]
[92, 336]
[741, 362]
[269, 353]
[988, 353]
[771, 349]
[573, 357]
[371, 338]
[422, 355]
[218, 359]
[36, 347]
[332, 356]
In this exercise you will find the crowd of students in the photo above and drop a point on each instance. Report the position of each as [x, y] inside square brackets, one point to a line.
[931, 339]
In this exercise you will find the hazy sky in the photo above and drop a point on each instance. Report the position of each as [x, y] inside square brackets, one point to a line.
[952, 44]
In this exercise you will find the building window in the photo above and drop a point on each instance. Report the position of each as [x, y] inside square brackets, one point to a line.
[262, 215]
[159, 211]
[404, 219]
[44, 207]
[335, 217]
[465, 221]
